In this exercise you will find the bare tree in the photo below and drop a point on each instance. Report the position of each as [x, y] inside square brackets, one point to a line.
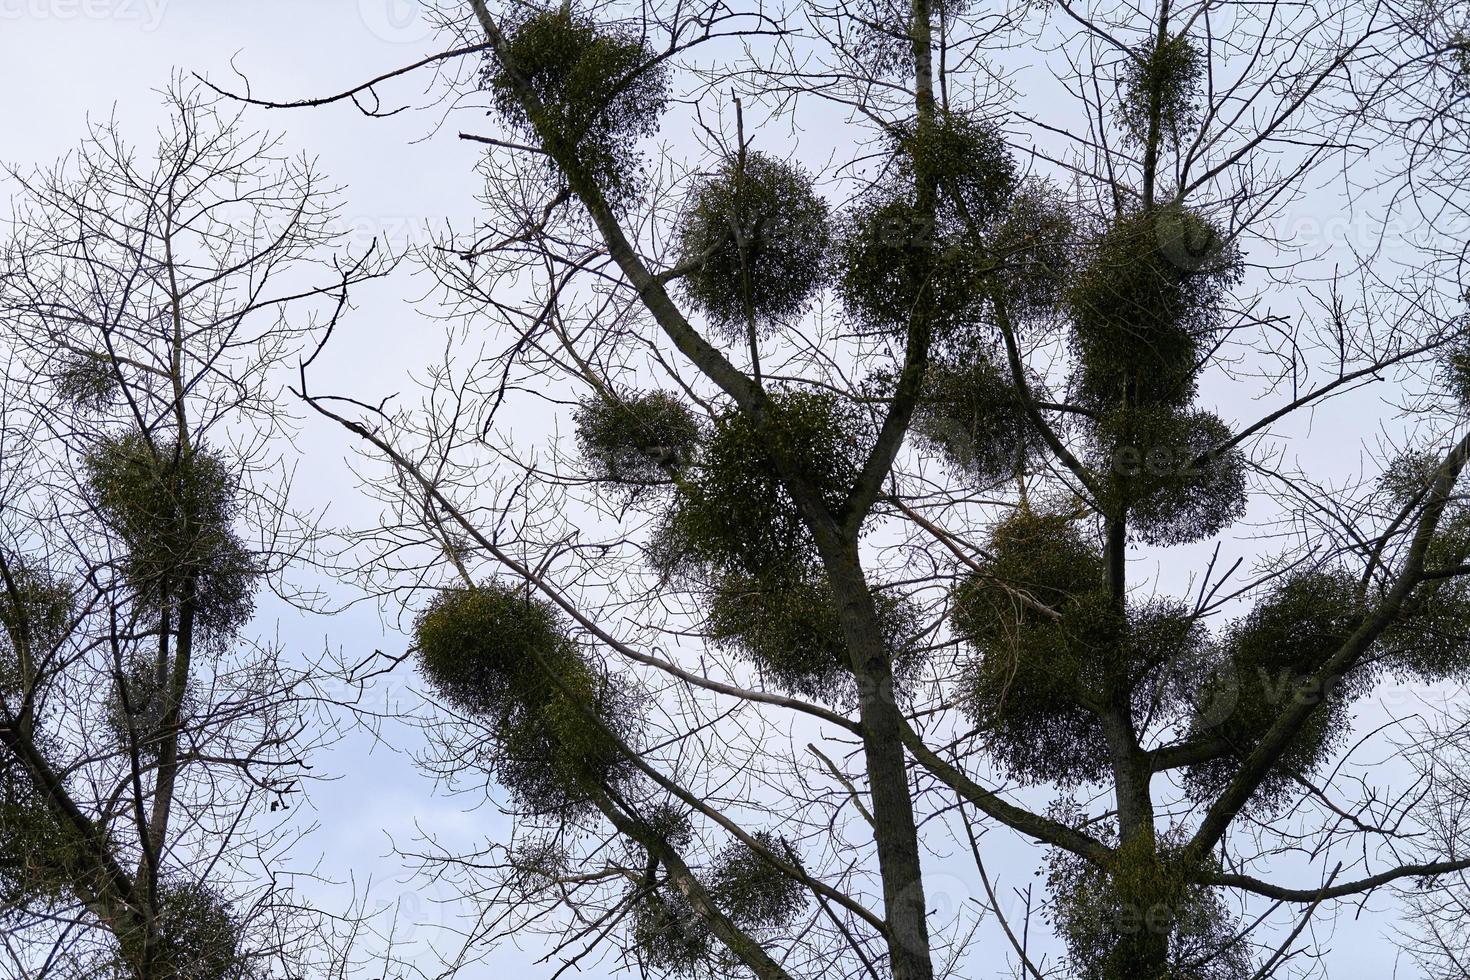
[842, 564]
[146, 302]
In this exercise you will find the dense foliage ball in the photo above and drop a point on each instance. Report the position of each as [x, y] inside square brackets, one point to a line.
[895, 259]
[757, 897]
[1169, 478]
[598, 87]
[734, 514]
[637, 441]
[975, 416]
[1162, 83]
[886, 261]
[671, 936]
[760, 234]
[40, 856]
[1407, 478]
[199, 937]
[789, 628]
[1164, 650]
[1028, 686]
[174, 509]
[224, 592]
[1040, 676]
[1030, 693]
[483, 647]
[969, 159]
[1149, 296]
[755, 894]
[1046, 556]
[1106, 918]
[879, 42]
[504, 657]
[36, 610]
[1431, 639]
[1454, 368]
[1272, 654]
[87, 381]
[1033, 250]
[166, 501]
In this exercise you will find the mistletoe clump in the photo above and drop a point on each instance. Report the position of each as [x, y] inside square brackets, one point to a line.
[1108, 918]
[87, 381]
[1431, 641]
[755, 893]
[638, 440]
[880, 44]
[669, 934]
[1273, 653]
[1408, 477]
[1053, 648]
[137, 707]
[1162, 83]
[1173, 479]
[992, 236]
[1143, 306]
[1042, 626]
[174, 507]
[40, 856]
[1034, 695]
[199, 937]
[790, 629]
[225, 589]
[757, 897]
[891, 261]
[757, 235]
[1031, 246]
[1164, 650]
[594, 90]
[1043, 555]
[539, 861]
[968, 158]
[167, 502]
[734, 514]
[504, 657]
[36, 610]
[975, 416]
[1454, 368]
[894, 258]
[672, 937]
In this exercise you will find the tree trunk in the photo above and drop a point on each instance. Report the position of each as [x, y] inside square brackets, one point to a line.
[894, 829]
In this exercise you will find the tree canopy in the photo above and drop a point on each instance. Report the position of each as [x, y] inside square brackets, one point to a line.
[876, 432]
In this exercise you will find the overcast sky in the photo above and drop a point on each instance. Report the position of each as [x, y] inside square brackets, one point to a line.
[62, 61]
